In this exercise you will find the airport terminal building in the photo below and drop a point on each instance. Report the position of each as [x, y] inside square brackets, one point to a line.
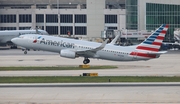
[89, 17]
[77, 17]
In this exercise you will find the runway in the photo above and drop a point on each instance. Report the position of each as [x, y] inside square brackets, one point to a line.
[89, 93]
[105, 72]
[109, 84]
[166, 65]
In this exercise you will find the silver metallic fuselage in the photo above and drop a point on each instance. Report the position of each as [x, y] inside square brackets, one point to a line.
[109, 52]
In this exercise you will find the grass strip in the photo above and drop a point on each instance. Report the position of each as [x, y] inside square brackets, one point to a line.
[55, 68]
[81, 79]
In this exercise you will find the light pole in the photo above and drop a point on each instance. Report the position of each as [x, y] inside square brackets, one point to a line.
[58, 15]
[126, 34]
[126, 37]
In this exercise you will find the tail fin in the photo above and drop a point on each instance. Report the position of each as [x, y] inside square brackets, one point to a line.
[154, 41]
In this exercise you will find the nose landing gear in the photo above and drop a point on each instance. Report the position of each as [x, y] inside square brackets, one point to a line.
[86, 61]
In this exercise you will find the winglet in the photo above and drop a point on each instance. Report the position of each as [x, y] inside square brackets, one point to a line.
[115, 39]
[101, 46]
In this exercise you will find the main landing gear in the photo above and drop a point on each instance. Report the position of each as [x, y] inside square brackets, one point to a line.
[86, 61]
[25, 51]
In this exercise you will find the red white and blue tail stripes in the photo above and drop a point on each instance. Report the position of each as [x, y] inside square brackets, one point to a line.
[152, 43]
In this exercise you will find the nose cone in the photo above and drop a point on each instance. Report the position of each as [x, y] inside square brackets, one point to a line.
[14, 40]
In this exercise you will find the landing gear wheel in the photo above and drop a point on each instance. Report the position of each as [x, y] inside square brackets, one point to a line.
[25, 52]
[86, 61]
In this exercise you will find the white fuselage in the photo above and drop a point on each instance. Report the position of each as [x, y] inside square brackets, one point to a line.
[71, 48]
[56, 44]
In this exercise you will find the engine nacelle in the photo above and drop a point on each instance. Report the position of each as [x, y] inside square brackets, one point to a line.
[67, 54]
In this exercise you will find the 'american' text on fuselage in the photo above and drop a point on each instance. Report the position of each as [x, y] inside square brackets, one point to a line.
[57, 43]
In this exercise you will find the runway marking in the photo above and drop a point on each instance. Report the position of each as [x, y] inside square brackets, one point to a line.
[94, 85]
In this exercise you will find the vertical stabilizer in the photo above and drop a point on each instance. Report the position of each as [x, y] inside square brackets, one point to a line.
[154, 41]
[150, 47]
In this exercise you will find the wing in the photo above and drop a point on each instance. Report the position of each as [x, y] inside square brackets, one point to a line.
[92, 52]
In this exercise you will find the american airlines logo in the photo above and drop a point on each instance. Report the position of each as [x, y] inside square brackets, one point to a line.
[60, 43]
[36, 39]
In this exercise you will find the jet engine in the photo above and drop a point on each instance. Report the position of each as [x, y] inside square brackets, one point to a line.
[67, 54]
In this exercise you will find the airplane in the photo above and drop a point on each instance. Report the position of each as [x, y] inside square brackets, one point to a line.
[176, 44]
[71, 48]
[177, 35]
[7, 35]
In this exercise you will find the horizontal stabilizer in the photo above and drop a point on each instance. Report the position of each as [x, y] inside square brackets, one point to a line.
[157, 53]
[171, 43]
